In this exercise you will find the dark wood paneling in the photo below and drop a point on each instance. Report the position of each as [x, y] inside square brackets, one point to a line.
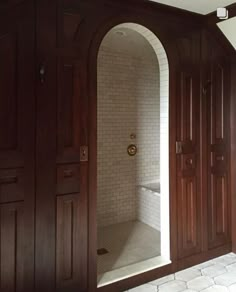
[8, 85]
[11, 185]
[61, 255]
[233, 149]
[189, 199]
[218, 153]
[68, 179]
[46, 148]
[17, 148]
[68, 112]
[71, 22]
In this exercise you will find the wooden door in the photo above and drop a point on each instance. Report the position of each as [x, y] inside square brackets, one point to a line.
[61, 199]
[218, 150]
[17, 144]
[188, 150]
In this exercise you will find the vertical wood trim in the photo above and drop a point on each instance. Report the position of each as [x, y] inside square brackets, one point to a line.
[233, 150]
[203, 144]
[46, 147]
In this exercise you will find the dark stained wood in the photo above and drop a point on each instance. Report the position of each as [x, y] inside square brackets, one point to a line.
[203, 257]
[188, 163]
[233, 150]
[45, 270]
[218, 99]
[17, 136]
[12, 247]
[69, 257]
[68, 112]
[68, 179]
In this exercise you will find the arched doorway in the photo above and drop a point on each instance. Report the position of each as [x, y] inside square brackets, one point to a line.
[132, 190]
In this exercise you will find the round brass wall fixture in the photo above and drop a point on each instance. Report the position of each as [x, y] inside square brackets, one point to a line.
[132, 150]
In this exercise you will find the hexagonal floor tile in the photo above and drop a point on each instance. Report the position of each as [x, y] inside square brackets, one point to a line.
[231, 267]
[226, 259]
[200, 283]
[187, 275]
[214, 270]
[232, 288]
[173, 286]
[144, 288]
[163, 280]
[203, 265]
[226, 279]
[216, 288]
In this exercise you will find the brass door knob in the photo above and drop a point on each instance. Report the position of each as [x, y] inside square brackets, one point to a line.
[132, 150]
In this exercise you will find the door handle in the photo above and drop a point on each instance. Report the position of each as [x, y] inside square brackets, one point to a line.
[42, 72]
[178, 147]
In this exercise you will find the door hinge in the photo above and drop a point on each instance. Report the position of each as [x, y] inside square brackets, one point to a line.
[178, 147]
[83, 153]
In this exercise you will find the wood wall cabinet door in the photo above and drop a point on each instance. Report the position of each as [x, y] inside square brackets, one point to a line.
[61, 221]
[218, 152]
[17, 144]
[188, 148]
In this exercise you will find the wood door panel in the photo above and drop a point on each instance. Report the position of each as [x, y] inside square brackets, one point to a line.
[68, 111]
[188, 137]
[61, 206]
[8, 91]
[189, 223]
[11, 247]
[68, 179]
[71, 22]
[217, 104]
[11, 185]
[218, 121]
[17, 148]
[218, 217]
[187, 102]
[10, 98]
[189, 213]
[70, 270]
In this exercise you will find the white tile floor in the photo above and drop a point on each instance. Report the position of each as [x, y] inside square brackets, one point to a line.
[217, 275]
[127, 243]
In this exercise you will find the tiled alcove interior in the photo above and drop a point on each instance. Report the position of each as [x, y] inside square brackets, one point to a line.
[134, 100]
[128, 103]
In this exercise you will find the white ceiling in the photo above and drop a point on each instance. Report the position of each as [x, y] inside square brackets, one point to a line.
[228, 29]
[198, 6]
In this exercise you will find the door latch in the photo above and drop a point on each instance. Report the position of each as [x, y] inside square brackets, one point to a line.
[178, 147]
[42, 72]
[83, 153]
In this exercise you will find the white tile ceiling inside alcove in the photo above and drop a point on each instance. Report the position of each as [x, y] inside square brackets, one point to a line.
[198, 6]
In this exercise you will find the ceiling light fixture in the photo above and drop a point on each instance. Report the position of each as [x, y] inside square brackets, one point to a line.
[222, 13]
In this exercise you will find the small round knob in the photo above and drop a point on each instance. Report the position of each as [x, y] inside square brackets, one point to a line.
[132, 150]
